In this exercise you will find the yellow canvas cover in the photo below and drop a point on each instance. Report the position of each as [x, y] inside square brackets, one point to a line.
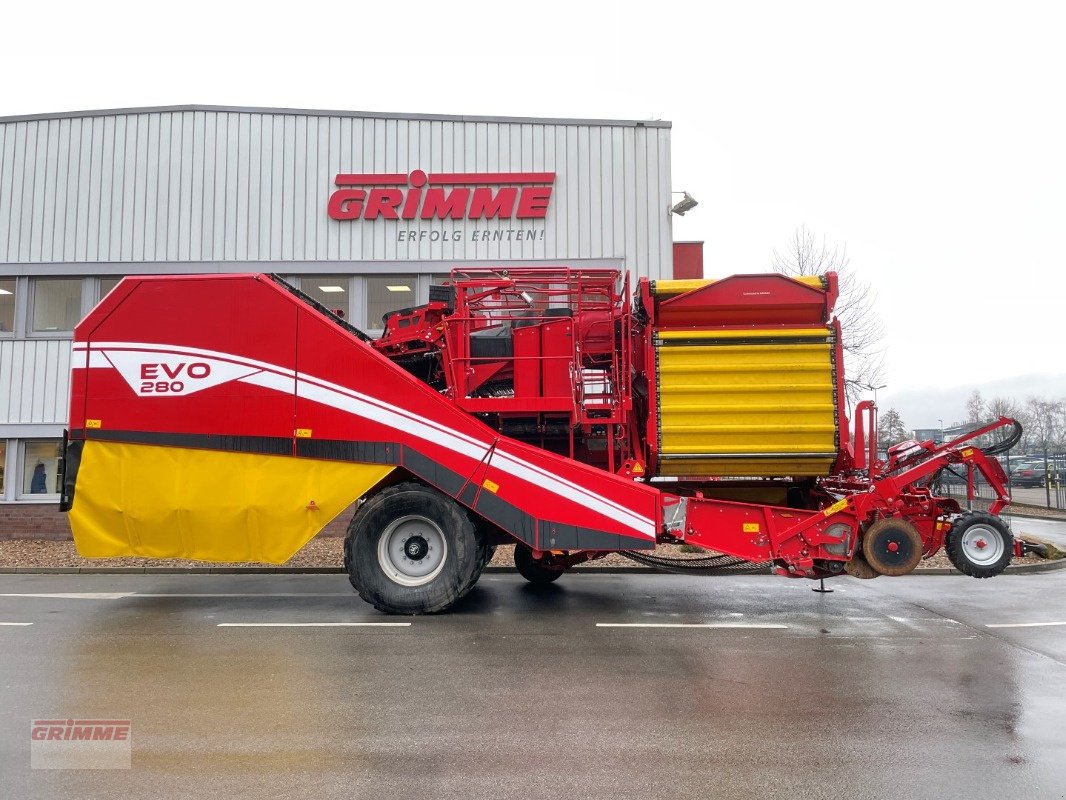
[207, 505]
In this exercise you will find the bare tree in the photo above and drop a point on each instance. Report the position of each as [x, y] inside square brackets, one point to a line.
[890, 429]
[863, 331]
[1005, 407]
[1046, 420]
[975, 407]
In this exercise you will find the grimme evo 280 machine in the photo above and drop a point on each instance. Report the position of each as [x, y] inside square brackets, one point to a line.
[230, 417]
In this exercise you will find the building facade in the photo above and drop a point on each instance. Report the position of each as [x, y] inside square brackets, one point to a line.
[360, 210]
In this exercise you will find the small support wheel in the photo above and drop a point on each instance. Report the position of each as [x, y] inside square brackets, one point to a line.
[892, 546]
[534, 570]
[980, 545]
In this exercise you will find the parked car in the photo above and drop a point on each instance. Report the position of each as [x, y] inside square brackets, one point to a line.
[1032, 473]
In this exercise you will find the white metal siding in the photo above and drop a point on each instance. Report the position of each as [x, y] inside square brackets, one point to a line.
[252, 186]
[34, 381]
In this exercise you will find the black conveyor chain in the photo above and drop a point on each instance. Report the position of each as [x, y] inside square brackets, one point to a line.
[710, 565]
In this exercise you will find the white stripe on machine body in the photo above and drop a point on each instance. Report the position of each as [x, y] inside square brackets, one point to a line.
[281, 379]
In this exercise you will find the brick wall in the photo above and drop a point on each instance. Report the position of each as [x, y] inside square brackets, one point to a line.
[33, 521]
[44, 521]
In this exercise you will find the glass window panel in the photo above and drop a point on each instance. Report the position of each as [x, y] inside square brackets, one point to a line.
[7, 305]
[3, 461]
[332, 291]
[40, 467]
[107, 284]
[386, 293]
[56, 304]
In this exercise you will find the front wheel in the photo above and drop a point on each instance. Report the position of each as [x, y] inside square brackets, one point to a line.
[535, 570]
[980, 545]
[412, 550]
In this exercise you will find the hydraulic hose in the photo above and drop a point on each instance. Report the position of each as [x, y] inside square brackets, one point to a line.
[1006, 444]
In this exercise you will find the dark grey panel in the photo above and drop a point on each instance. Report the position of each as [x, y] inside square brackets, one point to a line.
[507, 517]
[365, 452]
[433, 473]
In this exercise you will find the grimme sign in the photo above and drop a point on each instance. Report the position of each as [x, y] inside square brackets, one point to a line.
[448, 195]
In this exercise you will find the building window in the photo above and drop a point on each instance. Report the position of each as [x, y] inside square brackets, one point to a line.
[107, 284]
[3, 461]
[332, 291]
[388, 293]
[7, 305]
[56, 304]
[40, 468]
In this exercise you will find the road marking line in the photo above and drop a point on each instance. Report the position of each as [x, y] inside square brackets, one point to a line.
[314, 625]
[756, 625]
[1025, 624]
[910, 620]
[124, 595]
[246, 594]
[16, 624]
[76, 595]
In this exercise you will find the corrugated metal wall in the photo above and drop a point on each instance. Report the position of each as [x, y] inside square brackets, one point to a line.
[35, 377]
[251, 186]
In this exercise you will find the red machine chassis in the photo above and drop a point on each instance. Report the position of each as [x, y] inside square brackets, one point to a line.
[290, 378]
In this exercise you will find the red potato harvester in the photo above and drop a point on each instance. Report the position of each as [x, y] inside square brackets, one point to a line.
[230, 417]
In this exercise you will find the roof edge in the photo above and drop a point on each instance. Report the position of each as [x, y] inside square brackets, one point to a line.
[311, 112]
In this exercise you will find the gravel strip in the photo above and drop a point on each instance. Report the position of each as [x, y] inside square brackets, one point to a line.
[326, 551]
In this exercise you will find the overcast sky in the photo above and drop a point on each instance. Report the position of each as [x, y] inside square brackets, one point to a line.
[929, 137]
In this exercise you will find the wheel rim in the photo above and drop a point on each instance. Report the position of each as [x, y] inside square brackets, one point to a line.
[893, 548]
[982, 545]
[412, 550]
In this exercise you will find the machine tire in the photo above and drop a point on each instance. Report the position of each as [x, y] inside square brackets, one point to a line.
[376, 556]
[892, 546]
[968, 539]
[533, 570]
[858, 567]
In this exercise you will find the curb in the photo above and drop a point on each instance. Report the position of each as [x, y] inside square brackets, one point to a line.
[1023, 569]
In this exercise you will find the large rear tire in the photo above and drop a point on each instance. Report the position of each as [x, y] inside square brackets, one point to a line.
[980, 545]
[412, 550]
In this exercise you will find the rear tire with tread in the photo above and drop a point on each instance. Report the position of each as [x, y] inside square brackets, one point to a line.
[366, 558]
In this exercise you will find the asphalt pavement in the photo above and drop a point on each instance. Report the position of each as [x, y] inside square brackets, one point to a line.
[619, 686]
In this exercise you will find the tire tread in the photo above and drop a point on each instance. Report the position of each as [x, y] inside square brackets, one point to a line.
[953, 545]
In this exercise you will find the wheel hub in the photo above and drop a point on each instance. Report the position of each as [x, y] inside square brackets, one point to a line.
[416, 548]
[412, 550]
[982, 545]
[895, 549]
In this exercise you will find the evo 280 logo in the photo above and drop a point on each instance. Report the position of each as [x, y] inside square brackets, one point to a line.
[472, 196]
[168, 374]
[164, 378]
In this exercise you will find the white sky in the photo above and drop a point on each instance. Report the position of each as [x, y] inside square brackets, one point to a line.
[929, 137]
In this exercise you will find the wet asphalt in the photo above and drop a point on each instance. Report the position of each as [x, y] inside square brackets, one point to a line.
[893, 688]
